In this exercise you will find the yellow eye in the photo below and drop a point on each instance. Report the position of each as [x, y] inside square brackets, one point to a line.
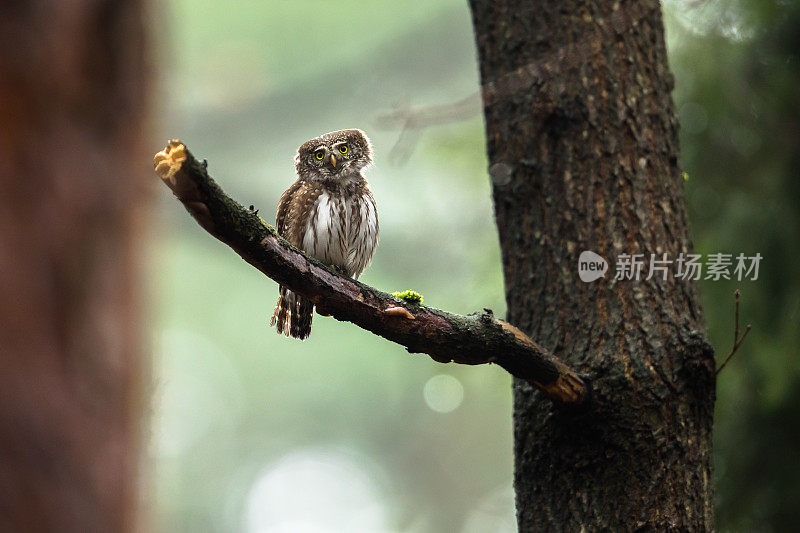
[319, 154]
[343, 149]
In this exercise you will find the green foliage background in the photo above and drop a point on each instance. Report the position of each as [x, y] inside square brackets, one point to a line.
[347, 432]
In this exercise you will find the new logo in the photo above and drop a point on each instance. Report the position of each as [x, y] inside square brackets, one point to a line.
[591, 266]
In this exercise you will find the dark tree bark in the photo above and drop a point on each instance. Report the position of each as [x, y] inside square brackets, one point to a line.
[582, 142]
[72, 173]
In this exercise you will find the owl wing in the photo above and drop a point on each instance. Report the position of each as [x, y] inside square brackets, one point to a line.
[363, 235]
[293, 313]
[285, 205]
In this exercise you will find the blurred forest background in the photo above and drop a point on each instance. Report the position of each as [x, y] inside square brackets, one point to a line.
[347, 432]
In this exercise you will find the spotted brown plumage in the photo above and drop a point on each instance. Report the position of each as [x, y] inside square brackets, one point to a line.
[330, 213]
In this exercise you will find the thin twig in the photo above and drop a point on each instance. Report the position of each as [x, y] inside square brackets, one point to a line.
[737, 342]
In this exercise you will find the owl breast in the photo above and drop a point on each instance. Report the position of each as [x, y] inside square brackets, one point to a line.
[342, 230]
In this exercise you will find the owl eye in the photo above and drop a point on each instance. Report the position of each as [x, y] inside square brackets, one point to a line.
[343, 148]
[319, 154]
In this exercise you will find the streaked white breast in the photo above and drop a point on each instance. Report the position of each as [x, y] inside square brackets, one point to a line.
[342, 233]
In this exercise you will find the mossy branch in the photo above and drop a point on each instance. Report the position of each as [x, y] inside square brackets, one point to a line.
[473, 339]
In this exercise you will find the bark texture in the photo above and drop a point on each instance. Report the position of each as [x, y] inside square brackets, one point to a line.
[582, 142]
[71, 100]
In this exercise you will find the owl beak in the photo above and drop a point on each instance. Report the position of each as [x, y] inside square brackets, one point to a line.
[333, 160]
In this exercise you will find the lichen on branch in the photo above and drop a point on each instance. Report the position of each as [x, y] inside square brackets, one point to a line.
[409, 296]
[446, 337]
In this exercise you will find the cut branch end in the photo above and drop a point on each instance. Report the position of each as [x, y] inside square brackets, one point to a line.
[169, 160]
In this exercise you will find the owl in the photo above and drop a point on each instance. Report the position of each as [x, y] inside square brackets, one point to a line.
[330, 213]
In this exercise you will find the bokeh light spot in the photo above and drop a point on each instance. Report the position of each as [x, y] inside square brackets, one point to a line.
[317, 490]
[443, 393]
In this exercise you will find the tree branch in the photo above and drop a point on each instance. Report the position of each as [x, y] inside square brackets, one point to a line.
[445, 337]
[413, 120]
[737, 341]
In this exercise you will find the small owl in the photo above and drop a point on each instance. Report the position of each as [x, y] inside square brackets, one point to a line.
[330, 213]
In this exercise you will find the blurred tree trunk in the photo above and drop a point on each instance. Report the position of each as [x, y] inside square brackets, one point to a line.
[582, 142]
[72, 83]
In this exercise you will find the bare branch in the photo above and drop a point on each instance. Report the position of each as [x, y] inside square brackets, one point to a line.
[737, 341]
[445, 337]
[534, 77]
[413, 120]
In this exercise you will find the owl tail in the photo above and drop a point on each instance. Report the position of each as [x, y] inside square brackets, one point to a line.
[292, 315]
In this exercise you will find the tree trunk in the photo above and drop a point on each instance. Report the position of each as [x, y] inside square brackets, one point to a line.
[72, 81]
[582, 142]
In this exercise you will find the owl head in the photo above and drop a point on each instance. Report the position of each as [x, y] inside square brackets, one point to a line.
[335, 155]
